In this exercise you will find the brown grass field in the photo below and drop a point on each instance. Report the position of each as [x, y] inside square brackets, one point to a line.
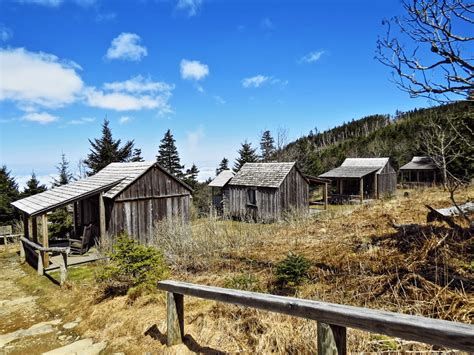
[357, 258]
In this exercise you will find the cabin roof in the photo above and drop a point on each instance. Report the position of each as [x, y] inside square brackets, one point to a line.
[356, 168]
[222, 179]
[112, 180]
[420, 163]
[262, 174]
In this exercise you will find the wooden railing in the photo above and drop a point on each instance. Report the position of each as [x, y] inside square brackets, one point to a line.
[332, 319]
[6, 232]
[27, 248]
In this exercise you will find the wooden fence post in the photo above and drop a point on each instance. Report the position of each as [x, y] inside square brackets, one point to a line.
[175, 318]
[45, 243]
[63, 268]
[22, 253]
[331, 339]
[40, 263]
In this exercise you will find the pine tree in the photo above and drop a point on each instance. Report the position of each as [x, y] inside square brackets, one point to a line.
[106, 150]
[223, 165]
[8, 194]
[33, 187]
[137, 155]
[168, 156]
[64, 175]
[267, 146]
[247, 154]
[191, 175]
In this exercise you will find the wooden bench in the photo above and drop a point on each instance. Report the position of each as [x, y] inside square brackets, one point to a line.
[6, 233]
[332, 319]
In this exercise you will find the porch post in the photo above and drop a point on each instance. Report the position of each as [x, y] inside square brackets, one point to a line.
[102, 215]
[44, 225]
[34, 229]
[361, 190]
[376, 187]
[325, 195]
[75, 218]
[340, 186]
[26, 230]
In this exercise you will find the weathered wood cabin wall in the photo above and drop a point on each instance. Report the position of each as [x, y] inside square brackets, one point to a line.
[386, 181]
[152, 197]
[270, 202]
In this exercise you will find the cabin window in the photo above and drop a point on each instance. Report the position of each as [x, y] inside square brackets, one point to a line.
[252, 197]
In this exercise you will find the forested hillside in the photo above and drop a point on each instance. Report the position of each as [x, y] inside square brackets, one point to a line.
[399, 137]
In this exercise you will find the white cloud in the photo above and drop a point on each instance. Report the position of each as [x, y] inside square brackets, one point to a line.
[5, 33]
[191, 6]
[193, 70]
[193, 138]
[106, 16]
[37, 79]
[134, 94]
[126, 46]
[312, 57]
[40, 117]
[51, 3]
[125, 119]
[82, 120]
[255, 81]
[219, 99]
[267, 25]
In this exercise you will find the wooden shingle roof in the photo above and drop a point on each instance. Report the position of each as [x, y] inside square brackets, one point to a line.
[262, 174]
[420, 163]
[356, 168]
[222, 179]
[113, 178]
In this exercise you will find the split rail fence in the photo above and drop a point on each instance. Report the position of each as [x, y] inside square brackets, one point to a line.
[332, 319]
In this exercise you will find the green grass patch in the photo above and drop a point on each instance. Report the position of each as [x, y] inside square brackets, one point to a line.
[77, 274]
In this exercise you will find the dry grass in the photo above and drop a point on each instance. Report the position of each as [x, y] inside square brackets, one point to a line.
[357, 258]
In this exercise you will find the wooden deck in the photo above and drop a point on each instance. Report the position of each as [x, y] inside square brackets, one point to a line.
[56, 261]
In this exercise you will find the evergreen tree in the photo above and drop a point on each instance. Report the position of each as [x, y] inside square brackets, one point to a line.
[168, 156]
[137, 155]
[267, 146]
[33, 187]
[8, 194]
[106, 150]
[247, 154]
[223, 165]
[191, 175]
[64, 175]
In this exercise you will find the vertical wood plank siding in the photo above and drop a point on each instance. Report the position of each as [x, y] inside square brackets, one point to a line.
[152, 197]
[387, 180]
[270, 202]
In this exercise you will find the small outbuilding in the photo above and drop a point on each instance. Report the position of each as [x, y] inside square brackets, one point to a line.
[217, 189]
[122, 197]
[362, 178]
[263, 191]
[419, 171]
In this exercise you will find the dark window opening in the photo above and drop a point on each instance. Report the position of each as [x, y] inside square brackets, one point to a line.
[251, 196]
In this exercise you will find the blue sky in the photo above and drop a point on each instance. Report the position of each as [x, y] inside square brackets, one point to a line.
[214, 72]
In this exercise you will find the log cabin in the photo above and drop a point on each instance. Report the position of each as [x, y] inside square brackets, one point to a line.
[419, 171]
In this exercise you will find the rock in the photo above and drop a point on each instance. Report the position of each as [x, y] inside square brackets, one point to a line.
[84, 346]
[37, 329]
[62, 337]
[70, 325]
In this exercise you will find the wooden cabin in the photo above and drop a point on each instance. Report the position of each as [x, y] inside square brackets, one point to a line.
[122, 197]
[264, 191]
[420, 171]
[362, 178]
[217, 189]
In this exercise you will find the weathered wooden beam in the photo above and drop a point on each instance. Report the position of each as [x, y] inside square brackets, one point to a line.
[361, 190]
[331, 339]
[63, 269]
[376, 187]
[174, 318]
[22, 252]
[40, 263]
[102, 225]
[44, 226]
[130, 199]
[25, 226]
[34, 229]
[427, 330]
[75, 221]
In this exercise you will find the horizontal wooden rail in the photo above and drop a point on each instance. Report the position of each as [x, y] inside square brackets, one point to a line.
[332, 318]
[64, 251]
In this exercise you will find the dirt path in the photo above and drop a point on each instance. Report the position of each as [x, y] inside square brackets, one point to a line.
[28, 328]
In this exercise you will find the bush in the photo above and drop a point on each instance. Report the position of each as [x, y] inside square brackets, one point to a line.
[292, 270]
[245, 282]
[132, 268]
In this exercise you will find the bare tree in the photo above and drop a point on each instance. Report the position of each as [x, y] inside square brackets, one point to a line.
[281, 143]
[438, 61]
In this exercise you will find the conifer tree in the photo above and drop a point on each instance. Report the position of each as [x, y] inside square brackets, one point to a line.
[191, 175]
[106, 150]
[33, 187]
[168, 156]
[247, 154]
[8, 194]
[267, 146]
[64, 175]
[223, 165]
[137, 155]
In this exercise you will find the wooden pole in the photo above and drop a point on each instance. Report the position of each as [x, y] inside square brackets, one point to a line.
[26, 229]
[325, 195]
[44, 225]
[63, 268]
[361, 190]
[34, 229]
[331, 339]
[174, 318]
[76, 227]
[376, 186]
[30, 226]
[102, 215]
[22, 253]
[341, 189]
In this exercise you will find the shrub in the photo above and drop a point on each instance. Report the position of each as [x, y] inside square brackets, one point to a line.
[245, 282]
[292, 270]
[132, 267]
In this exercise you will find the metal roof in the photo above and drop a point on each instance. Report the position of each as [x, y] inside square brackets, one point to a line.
[420, 163]
[222, 179]
[262, 174]
[115, 175]
[356, 168]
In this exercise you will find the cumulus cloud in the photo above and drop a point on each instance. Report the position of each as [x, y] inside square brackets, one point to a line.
[134, 94]
[193, 70]
[125, 119]
[126, 46]
[190, 6]
[82, 120]
[255, 81]
[312, 57]
[37, 79]
[5, 33]
[40, 117]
